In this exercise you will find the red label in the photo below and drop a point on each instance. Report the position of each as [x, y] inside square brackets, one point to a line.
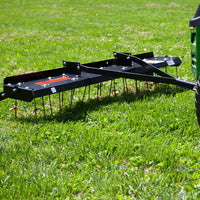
[51, 81]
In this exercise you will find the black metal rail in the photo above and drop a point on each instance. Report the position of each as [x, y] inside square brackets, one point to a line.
[73, 75]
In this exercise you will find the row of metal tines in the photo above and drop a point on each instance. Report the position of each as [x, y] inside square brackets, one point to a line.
[59, 99]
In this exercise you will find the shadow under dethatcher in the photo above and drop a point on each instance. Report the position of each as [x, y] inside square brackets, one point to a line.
[79, 110]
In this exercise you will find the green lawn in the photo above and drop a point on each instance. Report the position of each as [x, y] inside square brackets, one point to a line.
[134, 146]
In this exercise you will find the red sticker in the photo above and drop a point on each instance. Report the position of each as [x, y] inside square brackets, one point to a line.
[51, 81]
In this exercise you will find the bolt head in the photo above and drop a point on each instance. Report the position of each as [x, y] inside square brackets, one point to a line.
[14, 90]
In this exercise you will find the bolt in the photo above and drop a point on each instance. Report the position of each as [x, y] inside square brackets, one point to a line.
[19, 83]
[14, 90]
[128, 58]
[115, 54]
[3, 94]
[64, 63]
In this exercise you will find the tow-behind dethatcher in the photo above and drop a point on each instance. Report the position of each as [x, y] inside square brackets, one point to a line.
[143, 67]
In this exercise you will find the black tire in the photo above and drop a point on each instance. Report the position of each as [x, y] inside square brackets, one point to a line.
[197, 100]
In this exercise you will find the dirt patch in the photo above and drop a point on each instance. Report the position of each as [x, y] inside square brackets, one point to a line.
[104, 5]
[171, 5]
[153, 5]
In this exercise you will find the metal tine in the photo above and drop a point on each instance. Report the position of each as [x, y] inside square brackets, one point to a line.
[25, 108]
[100, 85]
[43, 108]
[50, 105]
[88, 91]
[72, 95]
[98, 88]
[136, 86]
[16, 104]
[84, 93]
[147, 85]
[62, 99]
[35, 109]
[60, 103]
[125, 85]
[114, 88]
[110, 87]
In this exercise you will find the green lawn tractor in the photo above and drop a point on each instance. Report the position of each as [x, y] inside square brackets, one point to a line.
[195, 57]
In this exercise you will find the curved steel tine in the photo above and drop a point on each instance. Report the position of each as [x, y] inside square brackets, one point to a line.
[35, 109]
[114, 88]
[16, 105]
[126, 85]
[100, 88]
[88, 91]
[136, 86]
[97, 91]
[62, 99]
[123, 85]
[72, 95]
[110, 88]
[84, 93]
[50, 105]
[43, 108]
[60, 103]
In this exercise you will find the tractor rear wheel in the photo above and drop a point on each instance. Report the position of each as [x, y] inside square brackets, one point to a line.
[197, 100]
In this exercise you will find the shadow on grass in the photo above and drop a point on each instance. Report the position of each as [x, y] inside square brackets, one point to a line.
[79, 111]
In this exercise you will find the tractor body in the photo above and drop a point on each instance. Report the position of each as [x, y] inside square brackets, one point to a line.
[195, 43]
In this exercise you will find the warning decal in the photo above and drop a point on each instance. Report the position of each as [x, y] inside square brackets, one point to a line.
[52, 81]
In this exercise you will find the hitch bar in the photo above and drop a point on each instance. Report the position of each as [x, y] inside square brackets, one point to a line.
[165, 77]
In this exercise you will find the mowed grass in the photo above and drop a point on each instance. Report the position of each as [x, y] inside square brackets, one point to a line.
[126, 146]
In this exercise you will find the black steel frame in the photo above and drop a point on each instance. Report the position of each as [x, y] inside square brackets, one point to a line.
[144, 67]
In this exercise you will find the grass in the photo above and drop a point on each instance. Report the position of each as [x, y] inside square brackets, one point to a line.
[135, 146]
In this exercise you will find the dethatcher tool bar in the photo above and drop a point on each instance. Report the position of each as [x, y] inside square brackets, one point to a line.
[73, 75]
[26, 87]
